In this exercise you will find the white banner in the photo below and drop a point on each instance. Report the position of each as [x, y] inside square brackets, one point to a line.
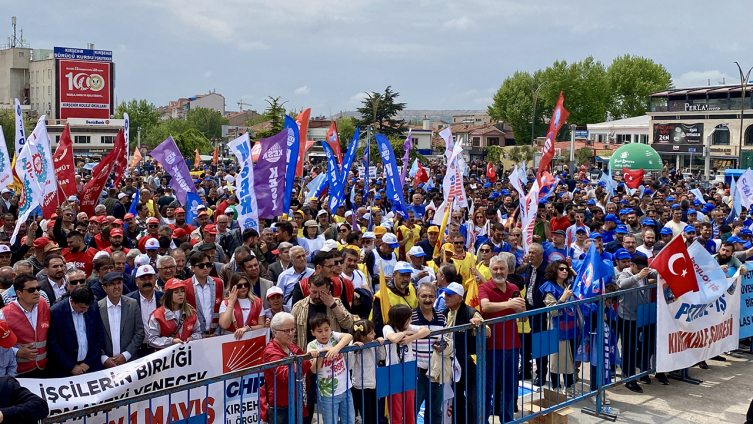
[690, 331]
[43, 166]
[28, 165]
[167, 368]
[745, 188]
[20, 131]
[6, 174]
[248, 214]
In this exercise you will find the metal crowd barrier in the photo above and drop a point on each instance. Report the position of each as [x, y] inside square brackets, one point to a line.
[572, 348]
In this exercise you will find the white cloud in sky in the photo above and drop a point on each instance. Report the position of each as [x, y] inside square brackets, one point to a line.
[701, 78]
[302, 90]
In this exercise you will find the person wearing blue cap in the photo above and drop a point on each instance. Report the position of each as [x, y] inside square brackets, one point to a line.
[619, 236]
[666, 234]
[676, 224]
[610, 223]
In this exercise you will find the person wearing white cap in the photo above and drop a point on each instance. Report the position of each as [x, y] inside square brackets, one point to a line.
[458, 313]
[276, 305]
[147, 296]
[399, 290]
[368, 241]
[325, 228]
[421, 272]
[382, 257]
[5, 202]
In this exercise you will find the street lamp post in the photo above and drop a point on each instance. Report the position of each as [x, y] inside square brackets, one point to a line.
[744, 87]
[535, 95]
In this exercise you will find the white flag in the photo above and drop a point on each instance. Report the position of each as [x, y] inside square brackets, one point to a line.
[452, 185]
[248, 214]
[529, 219]
[449, 145]
[20, 131]
[43, 165]
[745, 188]
[27, 165]
[6, 175]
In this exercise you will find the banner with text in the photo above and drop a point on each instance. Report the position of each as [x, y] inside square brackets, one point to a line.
[174, 366]
[746, 302]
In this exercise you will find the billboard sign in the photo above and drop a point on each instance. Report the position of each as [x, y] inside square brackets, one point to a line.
[85, 89]
[678, 133]
[82, 54]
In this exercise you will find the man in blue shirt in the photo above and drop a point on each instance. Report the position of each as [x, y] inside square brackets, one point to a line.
[610, 223]
[556, 249]
[619, 234]
[418, 208]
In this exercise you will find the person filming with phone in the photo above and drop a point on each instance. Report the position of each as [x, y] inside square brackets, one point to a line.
[556, 291]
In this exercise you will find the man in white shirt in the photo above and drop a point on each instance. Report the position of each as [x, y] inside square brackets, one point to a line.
[647, 248]
[350, 269]
[147, 298]
[676, 224]
[293, 275]
[420, 272]
[124, 329]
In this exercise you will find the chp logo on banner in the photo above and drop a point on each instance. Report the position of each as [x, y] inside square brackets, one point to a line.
[698, 307]
[200, 360]
[248, 214]
[85, 89]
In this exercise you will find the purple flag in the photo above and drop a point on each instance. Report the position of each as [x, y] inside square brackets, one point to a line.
[269, 175]
[168, 155]
[407, 146]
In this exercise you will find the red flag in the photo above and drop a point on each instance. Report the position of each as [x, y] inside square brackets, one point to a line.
[64, 171]
[303, 127]
[333, 139]
[93, 188]
[490, 173]
[558, 119]
[196, 158]
[421, 175]
[633, 179]
[675, 267]
[122, 160]
[216, 156]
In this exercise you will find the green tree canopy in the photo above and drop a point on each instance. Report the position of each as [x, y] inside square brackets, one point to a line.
[380, 109]
[631, 79]
[8, 124]
[190, 140]
[274, 113]
[208, 121]
[513, 103]
[346, 128]
[584, 87]
[141, 113]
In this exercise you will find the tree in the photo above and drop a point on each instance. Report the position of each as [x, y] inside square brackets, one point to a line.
[156, 134]
[631, 79]
[397, 148]
[380, 109]
[513, 103]
[141, 114]
[8, 123]
[346, 128]
[584, 87]
[208, 121]
[192, 139]
[494, 154]
[584, 155]
[274, 113]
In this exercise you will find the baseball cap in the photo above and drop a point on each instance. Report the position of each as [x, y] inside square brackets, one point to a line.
[7, 338]
[594, 235]
[455, 288]
[152, 220]
[670, 199]
[735, 239]
[368, 235]
[5, 249]
[621, 229]
[116, 232]
[152, 244]
[675, 206]
[416, 251]
[321, 212]
[379, 230]
[140, 260]
[433, 229]
[128, 216]
[180, 210]
[689, 229]
[310, 223]
[665, 231]
[41, 242]
[649, 222]
[696, 202]
[144, 270]
[206, 247]
[560, 232]
[622, 254]
[579, 229]
[273, 291]
[591, 202]
[376, 196]
[174, 283]
[391, 241]
[179, 232]
[601, 184]
[313, 198]
[110, 277]
[329, 246]
[203, 213]
[210, 228]
[692, 212]
[122, 195]
[403, 267]
[505, 192]
[744, 231]
[487, 185]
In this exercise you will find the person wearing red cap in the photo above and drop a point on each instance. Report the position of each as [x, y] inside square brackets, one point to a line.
[176, 321]
[78, 254]
[42, 247]
[152, 231]
[209, 235]
[116, 242]
[180, 221]
[202, 219]
[8, 364]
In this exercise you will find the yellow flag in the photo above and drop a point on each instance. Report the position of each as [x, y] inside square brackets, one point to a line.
[444, 223]
[471, 296]
[384, 297]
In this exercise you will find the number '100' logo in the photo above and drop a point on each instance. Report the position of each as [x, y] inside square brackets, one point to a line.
[82, 81]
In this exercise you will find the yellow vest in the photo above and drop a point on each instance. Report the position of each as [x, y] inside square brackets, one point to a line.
[411, 300]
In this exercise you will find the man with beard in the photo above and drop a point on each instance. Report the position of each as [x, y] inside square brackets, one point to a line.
[53, 283]
[647, 248]
[400, 291]
[705, 238]
[151, 232]
[689, 233]
[329, 265]
[259, 286]
[116, 241]
[727, 259]
[147, 298]
[180, 221]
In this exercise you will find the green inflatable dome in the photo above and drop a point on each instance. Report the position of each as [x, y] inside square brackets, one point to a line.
[634, 156]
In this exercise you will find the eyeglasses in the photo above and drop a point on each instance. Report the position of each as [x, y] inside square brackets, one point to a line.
[562, 269]
[244, 285]
[77, 282]
[342, 230]
[69, 214]
[203, 265]
[106, 268]
[485, 251]
[338, 263]
[31, 290]
[167, 268]
[287, 330]
[153, 225]
[459, 243]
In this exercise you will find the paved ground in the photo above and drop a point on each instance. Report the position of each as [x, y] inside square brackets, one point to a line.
[723, 397]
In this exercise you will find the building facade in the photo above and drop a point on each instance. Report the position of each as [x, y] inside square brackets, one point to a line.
[91, 137]
[14, 76]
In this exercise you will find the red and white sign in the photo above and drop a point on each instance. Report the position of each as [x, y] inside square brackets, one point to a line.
[85, 89]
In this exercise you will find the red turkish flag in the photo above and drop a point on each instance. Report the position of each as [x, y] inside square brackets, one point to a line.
[121, 161]
[421, 175]
[676, 268]
[490, 173]
[333, 139]
[633, 179]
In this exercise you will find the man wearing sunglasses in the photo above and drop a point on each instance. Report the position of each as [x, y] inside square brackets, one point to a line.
[152, 231]
[204, 293]
[29, 319]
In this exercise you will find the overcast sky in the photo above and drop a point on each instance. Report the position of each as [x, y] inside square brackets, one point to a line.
[323, 54]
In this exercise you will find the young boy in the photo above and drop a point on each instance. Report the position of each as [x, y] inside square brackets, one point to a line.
[333, 380]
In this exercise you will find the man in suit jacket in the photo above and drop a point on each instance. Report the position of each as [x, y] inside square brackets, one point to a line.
[121, 318]
[147, 298]
[75, 336]
[19, 405]
[535, 277]
[283, 252]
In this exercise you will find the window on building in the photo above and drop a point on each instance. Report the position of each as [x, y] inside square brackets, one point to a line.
[108, 139]
[82, 139]
[57, 139]
[721, 137]
[622, 138]
[414, 141]
[20, 54]
[644, 138]
[476, 141]
[748, 136]
[49, 73]
[492, 141]
[49, 90]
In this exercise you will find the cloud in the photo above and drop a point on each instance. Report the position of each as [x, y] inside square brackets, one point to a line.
[459, 23]
[302, 90]
[483, 100]
[207, 74]
[701, 78]
[358, 97]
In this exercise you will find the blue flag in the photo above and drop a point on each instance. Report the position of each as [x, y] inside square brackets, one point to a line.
[593, 269]
[336, 196]
[135, 203]
[192, 206]
[366, 169]
[293, 142]
[348, 160]
[394, 186]
[315, 186]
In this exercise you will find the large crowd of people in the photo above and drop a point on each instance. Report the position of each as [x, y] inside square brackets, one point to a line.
[82, 293]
